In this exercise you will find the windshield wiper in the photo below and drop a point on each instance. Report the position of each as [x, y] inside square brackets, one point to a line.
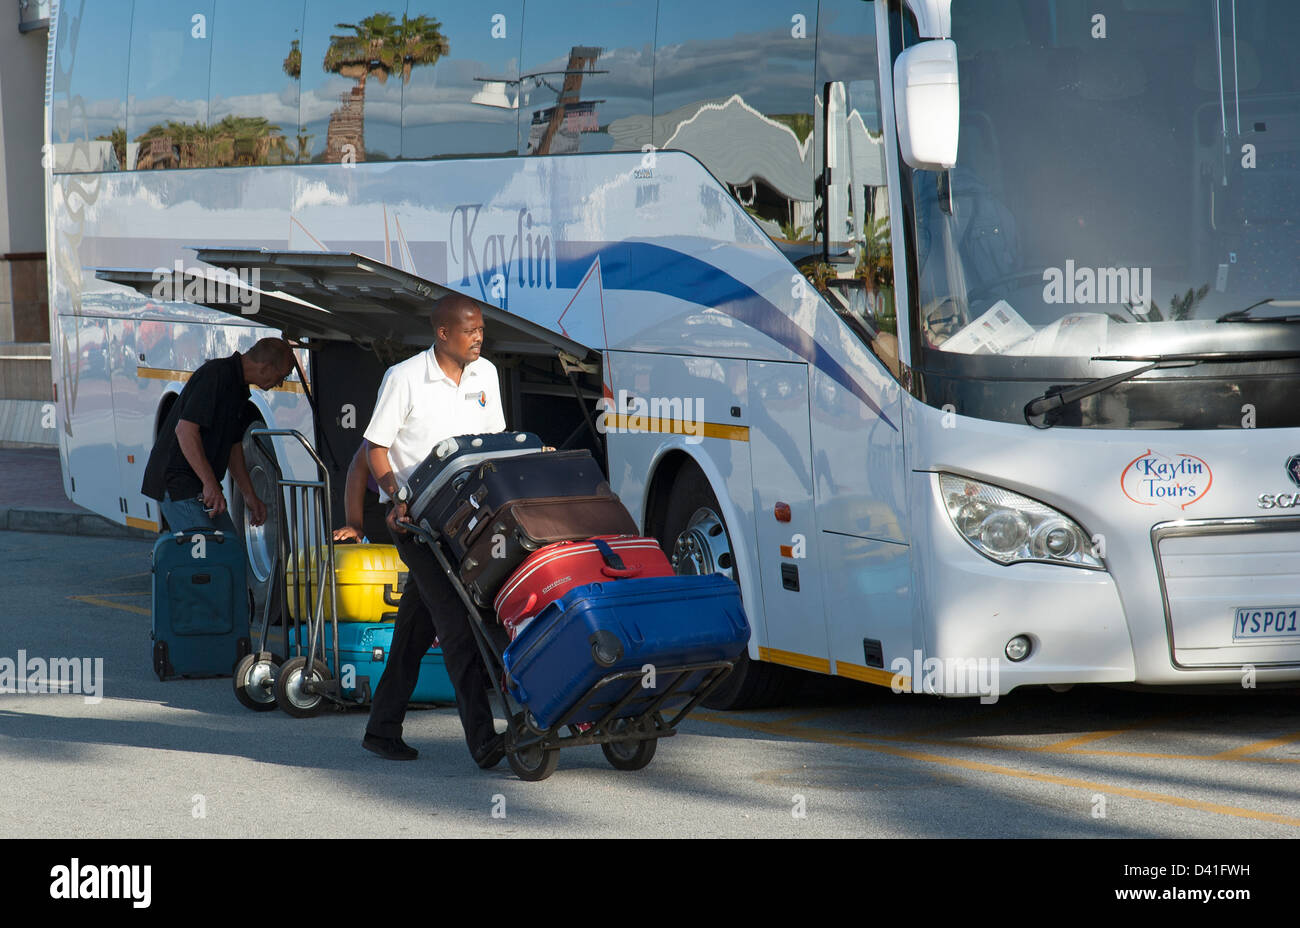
[1243, 315]
[1036, 410]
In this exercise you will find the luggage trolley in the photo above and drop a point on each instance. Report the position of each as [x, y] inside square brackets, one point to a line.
[302, 684]
[628, 741]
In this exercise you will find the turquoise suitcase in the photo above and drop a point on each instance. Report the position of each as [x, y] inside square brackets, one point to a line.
[363, 652]
[201, 604]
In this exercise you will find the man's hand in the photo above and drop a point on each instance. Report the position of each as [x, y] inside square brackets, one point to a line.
[348, 533]
[256, 509]
[395, 515]
[214, 501]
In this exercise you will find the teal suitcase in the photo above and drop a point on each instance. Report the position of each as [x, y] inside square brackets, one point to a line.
[201, 604]
[364, 648]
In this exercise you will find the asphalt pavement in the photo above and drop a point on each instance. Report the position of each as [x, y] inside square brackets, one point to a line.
[185, 759]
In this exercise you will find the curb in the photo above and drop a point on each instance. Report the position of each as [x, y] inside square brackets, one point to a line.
[67, 522]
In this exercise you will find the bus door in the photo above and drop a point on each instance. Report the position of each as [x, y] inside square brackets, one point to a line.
[858, 451]
[785, 516]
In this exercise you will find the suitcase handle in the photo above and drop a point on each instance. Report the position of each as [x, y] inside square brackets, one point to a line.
[215, 534]
[528, 607]
[391, 596]
[614, 566]
[465, 510]
[458, 518]
[472, 538]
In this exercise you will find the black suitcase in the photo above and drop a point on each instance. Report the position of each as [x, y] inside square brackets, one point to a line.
[497, 546]
[462, 503]
[460, 455]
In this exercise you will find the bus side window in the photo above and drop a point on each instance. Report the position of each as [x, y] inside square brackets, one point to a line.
[460, 98]
[167, 97]
[588, 88]
[88, 105]
[735, 89]
[253, 108]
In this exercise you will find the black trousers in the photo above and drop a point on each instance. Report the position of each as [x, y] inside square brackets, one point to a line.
[444, 617]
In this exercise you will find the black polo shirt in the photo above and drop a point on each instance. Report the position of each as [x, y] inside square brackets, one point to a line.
[216, 400]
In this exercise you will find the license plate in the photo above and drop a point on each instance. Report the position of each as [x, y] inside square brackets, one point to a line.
[1252, 624]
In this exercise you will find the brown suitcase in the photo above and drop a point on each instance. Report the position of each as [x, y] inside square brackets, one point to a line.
[500, 544]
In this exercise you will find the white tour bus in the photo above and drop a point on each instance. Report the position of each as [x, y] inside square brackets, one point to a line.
[962, 335]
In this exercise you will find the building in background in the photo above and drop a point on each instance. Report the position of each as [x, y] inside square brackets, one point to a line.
[25, 387]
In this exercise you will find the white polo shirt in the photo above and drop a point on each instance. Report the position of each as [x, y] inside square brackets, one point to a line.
[419, 406]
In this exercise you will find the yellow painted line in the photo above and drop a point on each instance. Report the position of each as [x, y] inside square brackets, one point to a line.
[1258, 746]
[847, 740]
[1071, 743]
[162, 373]
[871, 675]
[791, 659]
[633, 423]
[147, 524]
[125, 607]
[810, 715]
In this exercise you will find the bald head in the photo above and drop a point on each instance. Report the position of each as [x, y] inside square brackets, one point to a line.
[272, 351]
[457, 330]
[448, 311]
[268, 363]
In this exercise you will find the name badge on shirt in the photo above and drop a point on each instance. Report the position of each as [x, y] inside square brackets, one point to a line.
[480, 397]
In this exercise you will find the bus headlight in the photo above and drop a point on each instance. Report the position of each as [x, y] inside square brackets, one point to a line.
[1008, 528]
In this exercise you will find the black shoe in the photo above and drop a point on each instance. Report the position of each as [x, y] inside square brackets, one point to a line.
[389, 748]
[491, 753]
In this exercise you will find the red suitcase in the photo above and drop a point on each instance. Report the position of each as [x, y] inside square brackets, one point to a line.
[552, 571]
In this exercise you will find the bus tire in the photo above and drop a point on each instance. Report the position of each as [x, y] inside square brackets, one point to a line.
[263, 541]
[694, 535]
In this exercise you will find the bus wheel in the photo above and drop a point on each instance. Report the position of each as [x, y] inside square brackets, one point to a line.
[262, 541]
[695, 537]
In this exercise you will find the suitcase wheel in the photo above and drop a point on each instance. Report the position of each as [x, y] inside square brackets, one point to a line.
[161, 664]
[606, 649]
[531, 763]
[628, 755]
[254, 682]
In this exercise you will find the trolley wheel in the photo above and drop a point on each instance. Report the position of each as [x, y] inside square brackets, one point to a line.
[628, 755]
[534, 763]
[255, 681]
[289, 694]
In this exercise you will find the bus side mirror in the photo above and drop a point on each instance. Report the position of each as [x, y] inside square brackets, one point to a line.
[928, 104]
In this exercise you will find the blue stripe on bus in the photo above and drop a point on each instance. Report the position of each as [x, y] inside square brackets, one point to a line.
[656, 269]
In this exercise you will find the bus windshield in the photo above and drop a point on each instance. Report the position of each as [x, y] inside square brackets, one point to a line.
[1127, 177]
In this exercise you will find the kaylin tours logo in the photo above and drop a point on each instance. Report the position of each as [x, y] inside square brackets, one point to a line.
[1177, 480]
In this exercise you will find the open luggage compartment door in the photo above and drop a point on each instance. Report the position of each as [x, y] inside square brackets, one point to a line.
[323, 295]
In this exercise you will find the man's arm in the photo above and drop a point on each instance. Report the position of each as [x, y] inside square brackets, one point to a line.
[187, 436]
[239, 470]
[354, 497]
[387, 481]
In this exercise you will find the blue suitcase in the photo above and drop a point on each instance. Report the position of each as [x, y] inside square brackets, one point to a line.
[604, 628]
[201, 605]
[364, 648]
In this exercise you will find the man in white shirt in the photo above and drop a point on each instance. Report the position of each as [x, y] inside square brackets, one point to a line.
[445, 391]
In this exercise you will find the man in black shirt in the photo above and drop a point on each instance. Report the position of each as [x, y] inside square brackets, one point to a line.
[203, 435]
